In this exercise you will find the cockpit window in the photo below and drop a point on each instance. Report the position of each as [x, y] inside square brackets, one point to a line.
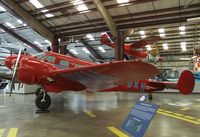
[64, 63]
[51, 59]
[40, 56]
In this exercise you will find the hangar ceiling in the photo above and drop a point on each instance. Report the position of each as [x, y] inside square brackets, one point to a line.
[73, 20]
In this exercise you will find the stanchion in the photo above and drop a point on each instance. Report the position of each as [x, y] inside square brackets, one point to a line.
[2, 87]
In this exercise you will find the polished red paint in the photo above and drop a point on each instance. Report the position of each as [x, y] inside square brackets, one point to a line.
[133, 49]
[78, 74]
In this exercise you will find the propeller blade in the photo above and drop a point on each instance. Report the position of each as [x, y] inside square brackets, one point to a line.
[15, 71]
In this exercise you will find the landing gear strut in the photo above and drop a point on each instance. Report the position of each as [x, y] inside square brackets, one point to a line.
[150, 97]
[43, 100]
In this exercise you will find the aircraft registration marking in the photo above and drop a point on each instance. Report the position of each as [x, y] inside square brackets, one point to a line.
[117, 132]
[137, 85]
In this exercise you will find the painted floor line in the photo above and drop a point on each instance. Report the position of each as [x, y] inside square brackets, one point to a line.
[178, 117]
[117, 132]
[12, 132]
[184, 109]
[90, 114]
[189, 117]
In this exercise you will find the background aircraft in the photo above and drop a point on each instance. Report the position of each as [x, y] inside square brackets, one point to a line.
[57, 73]
[133, 49]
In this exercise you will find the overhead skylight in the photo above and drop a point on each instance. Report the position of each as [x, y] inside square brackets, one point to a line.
[80, 6]
[148, 47]
[86, 50]
[2, 8]
[165, 46]
[89, 36]
[73, 51]
[122, 1]
[101, 49]
[161, 30]
[10, 25]
[36, 3]
[183, 46]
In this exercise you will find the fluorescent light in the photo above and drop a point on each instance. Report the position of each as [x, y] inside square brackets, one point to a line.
[36, 3]
[127, 38]
[182, 32]
[37, 43]
[161, 30]
[24, 24]
[2, 30]
[143, 36]
[86, 50]
[45, 10]
[165, 46]
[89, 36]
[2, 9]
[10, 25]
[19, 21]
[197, 19]
[142, 32]
[73, 51]
[183, 46]
[101, 49]
[47, 41]
[162, 34]
[122, 1]
[148, 47]
[49, 15]
[182, 28]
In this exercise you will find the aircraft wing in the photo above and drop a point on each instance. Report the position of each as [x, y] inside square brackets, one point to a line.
[142, 43]
[107, 75]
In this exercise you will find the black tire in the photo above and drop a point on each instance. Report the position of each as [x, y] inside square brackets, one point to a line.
[43, 104]
[150, 97]
[37, 92]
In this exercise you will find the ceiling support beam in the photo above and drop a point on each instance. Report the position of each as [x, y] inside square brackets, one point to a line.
[92, 51]
[106, 16]
[12, 7]
[119, 48]
[11, 32]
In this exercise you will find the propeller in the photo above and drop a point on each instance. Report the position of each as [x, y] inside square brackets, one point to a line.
[15, 72]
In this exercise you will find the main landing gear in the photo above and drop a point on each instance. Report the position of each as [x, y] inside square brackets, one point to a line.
[150, 96]
[43, 100]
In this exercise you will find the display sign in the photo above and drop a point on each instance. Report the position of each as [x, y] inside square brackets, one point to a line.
[139, 118]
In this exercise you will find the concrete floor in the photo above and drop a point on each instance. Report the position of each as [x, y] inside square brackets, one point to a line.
[88, 115]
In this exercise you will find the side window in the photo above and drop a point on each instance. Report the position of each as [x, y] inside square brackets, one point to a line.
[77, 65]
[64, 63]
[51, 59]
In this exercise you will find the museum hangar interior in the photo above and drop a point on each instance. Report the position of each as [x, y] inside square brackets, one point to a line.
[104, 68]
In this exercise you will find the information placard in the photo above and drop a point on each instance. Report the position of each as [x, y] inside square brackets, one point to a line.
[139, 118]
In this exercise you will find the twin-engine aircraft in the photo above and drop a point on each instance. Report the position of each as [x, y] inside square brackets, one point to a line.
[133, 49]
[56, 73]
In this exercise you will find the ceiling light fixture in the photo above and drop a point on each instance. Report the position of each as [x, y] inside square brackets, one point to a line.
[161, 30]
[142, 32]
[122, 1]
[36, 3]
[182, 32]
[89, 36]
[162, 35]
[182, 28]
[19, 21]
[143, 36]
[148, 47]
[165, 46]
[2, 8]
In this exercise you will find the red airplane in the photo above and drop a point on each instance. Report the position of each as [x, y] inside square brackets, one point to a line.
[56, 73]
[134, 49]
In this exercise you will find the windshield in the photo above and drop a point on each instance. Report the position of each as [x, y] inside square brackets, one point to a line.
[40, 56]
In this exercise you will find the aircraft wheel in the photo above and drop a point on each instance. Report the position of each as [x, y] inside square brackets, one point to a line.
[43, 103]
[150, 97]
[38, 91]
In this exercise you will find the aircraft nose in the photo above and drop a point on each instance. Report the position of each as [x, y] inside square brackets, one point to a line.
[8, 62]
